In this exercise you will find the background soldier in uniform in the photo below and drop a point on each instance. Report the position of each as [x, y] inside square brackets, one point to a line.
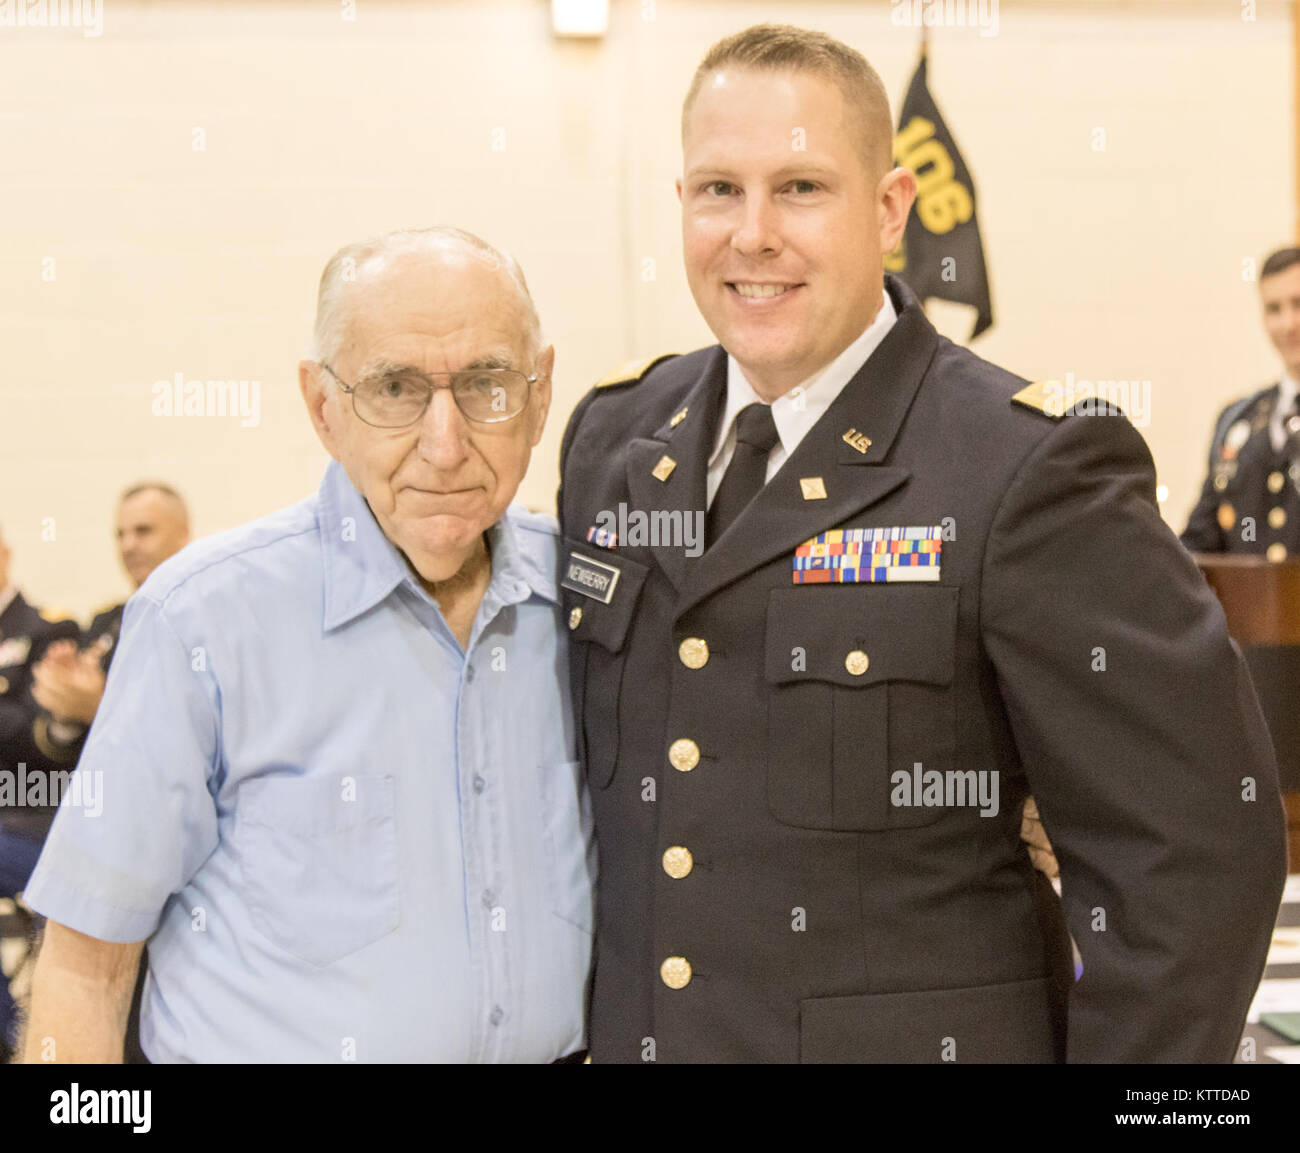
[152, 525]
[25, 634]
[926, 592]
[1251, 499]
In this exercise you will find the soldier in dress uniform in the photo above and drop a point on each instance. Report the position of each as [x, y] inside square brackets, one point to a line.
[25, 634]
[1250, 502]
[842, 594]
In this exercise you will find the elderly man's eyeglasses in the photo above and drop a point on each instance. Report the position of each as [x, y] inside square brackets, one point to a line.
[401, 397]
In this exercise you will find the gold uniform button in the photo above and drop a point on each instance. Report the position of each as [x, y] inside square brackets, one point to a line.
[857, 662]
[1220, 481]
[684, 755]
[1276, 552]
[1276, 517]
[678, 862]
[694, 652]
[1275, 481]
[675, 972]
[575, 618]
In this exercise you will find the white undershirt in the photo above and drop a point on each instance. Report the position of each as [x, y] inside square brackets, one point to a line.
[1286, 394]
[795, 412]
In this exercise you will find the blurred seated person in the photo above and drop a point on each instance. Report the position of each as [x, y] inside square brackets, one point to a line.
[1250, 502]
[152, 524]
[29, 793]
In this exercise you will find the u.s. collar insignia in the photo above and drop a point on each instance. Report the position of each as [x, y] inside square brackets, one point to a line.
[591, 578]
[855, 439]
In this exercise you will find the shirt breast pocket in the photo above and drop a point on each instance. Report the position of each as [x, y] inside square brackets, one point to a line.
[319, 861]
[597, 660]
[859, 687]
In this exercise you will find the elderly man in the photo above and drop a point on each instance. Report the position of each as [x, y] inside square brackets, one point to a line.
[341, 801]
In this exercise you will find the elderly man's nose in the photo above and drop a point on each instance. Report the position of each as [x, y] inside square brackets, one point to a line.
[443, 431]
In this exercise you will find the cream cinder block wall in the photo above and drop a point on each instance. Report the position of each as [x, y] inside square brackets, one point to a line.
[131, 255]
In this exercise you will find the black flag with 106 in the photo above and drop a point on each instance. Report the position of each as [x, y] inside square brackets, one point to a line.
[940, 254]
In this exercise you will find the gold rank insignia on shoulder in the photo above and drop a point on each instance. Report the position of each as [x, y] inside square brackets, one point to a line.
[1045, 396]
[633, 370]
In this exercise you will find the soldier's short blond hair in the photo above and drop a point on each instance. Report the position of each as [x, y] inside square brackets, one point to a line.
[785, 48]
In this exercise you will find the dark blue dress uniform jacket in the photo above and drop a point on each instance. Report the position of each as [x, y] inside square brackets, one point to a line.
[24, 636]
[1070, 645]
[1250, 501]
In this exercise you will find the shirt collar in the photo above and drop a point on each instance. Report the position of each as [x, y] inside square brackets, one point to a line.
[795, 412]
[7, 595]
[1286, 393]
[362, 566]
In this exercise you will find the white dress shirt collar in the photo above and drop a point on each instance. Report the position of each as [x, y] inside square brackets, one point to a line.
[803, 406]
[1286, 394]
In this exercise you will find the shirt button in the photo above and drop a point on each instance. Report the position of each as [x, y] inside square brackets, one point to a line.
[678, 861]
[694, 652]
[1275, 482]
[675, 972]
[684, 755]
[489, 898]
[479, 783]
[469, 673]
[497, 1015]
[856, 662]
[1276, 517]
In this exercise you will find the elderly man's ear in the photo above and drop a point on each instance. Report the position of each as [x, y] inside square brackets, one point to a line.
[541, 399]
[313, 383]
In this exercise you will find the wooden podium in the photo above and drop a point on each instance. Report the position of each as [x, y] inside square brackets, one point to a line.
[1261, 600]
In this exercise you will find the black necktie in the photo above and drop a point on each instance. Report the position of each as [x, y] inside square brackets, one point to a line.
[747, 472]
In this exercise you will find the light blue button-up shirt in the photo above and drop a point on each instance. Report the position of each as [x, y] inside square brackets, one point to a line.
[346, 838]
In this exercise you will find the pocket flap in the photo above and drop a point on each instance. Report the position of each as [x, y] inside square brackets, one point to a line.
[823, 632]
[600, 589]
[1019, 1021]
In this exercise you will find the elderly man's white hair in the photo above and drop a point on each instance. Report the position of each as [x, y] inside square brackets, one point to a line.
[342, 269]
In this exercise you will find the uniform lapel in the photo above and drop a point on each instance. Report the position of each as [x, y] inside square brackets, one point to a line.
[873, 405]
[688, 445]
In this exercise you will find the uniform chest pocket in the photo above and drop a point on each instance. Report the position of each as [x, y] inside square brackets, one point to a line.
[319, 861]
[859, 687]
[599, 620]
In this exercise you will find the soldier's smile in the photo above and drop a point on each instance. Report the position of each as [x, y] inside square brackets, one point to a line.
[761, 296]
